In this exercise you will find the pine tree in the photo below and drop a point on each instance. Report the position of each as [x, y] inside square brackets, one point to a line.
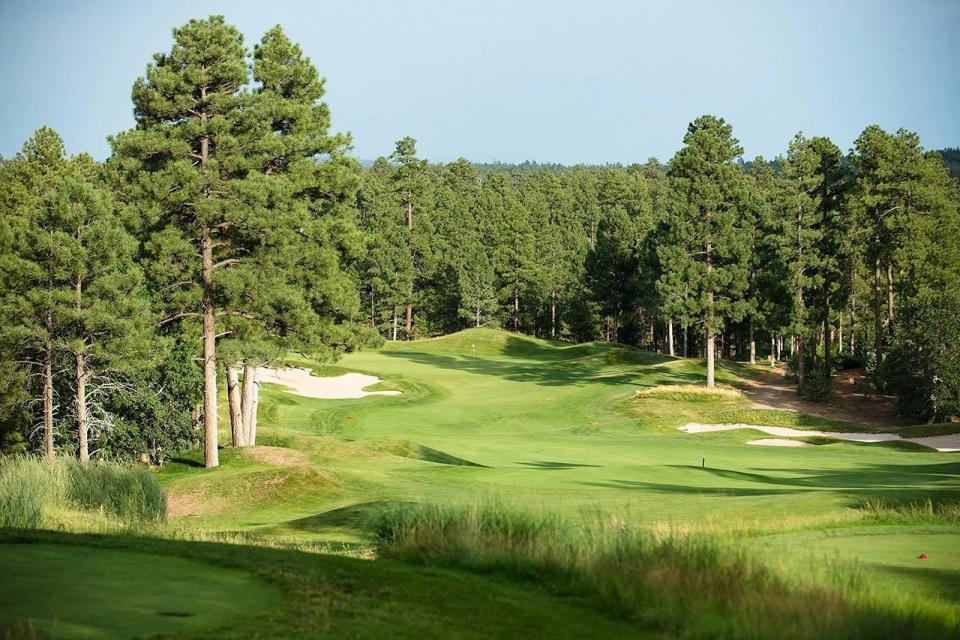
[707, 244]
[34, 270]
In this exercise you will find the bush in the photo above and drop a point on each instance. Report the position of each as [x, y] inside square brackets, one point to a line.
[923, 365]
[30, 488]
[818, 384]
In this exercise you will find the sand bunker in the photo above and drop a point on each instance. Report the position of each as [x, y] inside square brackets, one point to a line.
[303, 383]
[777, 442]
[940, 443]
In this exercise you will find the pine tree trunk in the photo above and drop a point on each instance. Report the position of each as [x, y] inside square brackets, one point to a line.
[252, 433]
[801, 364]
[773, 350]
[877, 313]
[686, 341]
[753, 344]
[48, 402]
[410, 321]
[233, 401]
[395, 324]
[889, 297]
[516, 303]
[83, 428]
[478, 316]
[853, 327]
[553, 314]
[710, 357]
[827, 339]
[840, 334]
[247, 395]
[670, 337]
[211, 456]
[710, 331]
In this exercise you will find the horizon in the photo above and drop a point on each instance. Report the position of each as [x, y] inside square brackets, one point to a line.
[495, 83]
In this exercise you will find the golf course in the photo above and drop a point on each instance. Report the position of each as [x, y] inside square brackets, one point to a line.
[489, 422]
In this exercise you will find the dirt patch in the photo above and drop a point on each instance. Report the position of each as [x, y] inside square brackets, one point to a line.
[277, 456]
[850, 400]
[185, 505]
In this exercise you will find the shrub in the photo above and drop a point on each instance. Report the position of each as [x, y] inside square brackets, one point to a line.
[818, 384]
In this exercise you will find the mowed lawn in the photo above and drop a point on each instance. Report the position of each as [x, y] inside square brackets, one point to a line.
[491, 416]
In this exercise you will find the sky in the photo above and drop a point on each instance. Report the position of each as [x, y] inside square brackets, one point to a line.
[553, 81]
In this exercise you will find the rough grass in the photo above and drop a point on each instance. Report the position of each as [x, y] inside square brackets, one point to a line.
[691, 586]
[689, 393]
[782, 418]
[31, 489]
[926, 430]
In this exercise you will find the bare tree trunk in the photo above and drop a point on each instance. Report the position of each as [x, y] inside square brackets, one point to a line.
[773, 350]
[840, 333]
[853, 326]
[889, 296]
[827, 339]
[48, 402]
[686, 341]
[553, 314]
[801, 364]
[83, 429]
[670, 336]
[709, 333]
[409, 321]
[394, 324]
[877, 313]
[211, 456]
[516, 304]
[753, 344]
[247, 395]
[233, 401]
[252, 433]
[478, 316]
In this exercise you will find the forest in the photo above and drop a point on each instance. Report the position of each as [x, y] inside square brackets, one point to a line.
[230, 228]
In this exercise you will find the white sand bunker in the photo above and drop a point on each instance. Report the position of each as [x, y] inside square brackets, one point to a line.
[947, 443]
[777, 442]
[303, 383]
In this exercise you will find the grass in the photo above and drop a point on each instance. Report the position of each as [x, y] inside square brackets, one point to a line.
[681, 585]
[32, 491]
[926, 430]
[558, 429]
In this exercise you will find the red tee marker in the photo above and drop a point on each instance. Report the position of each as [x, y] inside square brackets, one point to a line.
[923, 556]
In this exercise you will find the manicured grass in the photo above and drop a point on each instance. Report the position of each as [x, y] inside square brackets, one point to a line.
[556, 429]
[83, 592]
[235, 591]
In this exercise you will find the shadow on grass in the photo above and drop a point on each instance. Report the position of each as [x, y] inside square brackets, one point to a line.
[542, 465]
[549, 373]
[900, 483]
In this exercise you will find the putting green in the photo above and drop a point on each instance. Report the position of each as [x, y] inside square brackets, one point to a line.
[86, 592]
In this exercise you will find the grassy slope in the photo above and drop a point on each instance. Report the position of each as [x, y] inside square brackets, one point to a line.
[301, 595]
[556, 427]
[547, 425]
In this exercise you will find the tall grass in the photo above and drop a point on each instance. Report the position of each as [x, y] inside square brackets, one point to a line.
[685, 585]
[31, 489]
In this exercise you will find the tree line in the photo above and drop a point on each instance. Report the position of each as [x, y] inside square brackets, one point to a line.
[231, 226]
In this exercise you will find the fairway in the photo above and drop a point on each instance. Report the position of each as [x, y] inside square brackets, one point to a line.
[491, 416]
[84, 592]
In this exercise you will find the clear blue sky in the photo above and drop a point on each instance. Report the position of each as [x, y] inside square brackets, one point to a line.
[598, 81]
